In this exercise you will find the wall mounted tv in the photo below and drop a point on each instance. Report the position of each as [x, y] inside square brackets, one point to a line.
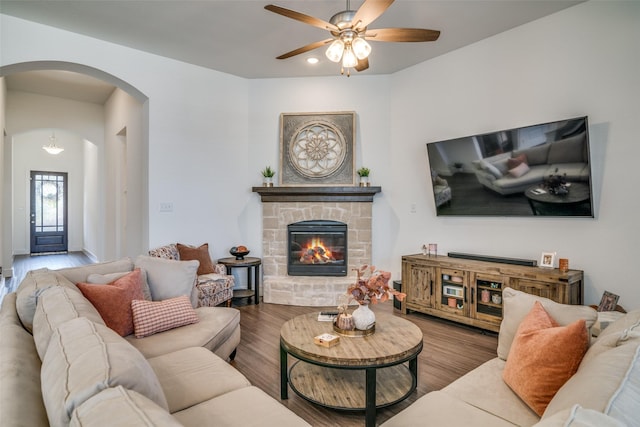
[539, 170]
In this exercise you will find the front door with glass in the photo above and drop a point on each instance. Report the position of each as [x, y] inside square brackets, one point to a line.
[48, 212]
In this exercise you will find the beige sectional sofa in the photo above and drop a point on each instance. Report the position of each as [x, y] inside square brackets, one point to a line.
[605, 390]
[60, 365]
[568, 157]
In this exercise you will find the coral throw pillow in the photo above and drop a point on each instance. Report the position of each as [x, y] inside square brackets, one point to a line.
[190, 253]
[150, 317]
[113, 300]
[543, 357]
[515, 161]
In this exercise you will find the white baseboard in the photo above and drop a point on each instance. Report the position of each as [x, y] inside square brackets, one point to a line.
[90, 255]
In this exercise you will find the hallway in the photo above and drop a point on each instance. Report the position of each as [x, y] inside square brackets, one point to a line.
[24, 263]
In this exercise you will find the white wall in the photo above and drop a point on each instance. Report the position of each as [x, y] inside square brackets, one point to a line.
[557, 67]
[28, 156]
[197, 132]
[210, 134]
[5, 242]
[126, 153]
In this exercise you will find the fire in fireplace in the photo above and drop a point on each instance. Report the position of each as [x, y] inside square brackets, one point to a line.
[317, 248]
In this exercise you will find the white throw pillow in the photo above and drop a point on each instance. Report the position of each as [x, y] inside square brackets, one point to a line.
[491, 169]
[169, 278]
[519, 170]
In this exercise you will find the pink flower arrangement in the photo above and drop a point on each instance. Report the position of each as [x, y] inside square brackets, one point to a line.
[372, 286]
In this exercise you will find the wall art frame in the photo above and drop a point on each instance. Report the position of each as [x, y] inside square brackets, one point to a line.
[317, 149]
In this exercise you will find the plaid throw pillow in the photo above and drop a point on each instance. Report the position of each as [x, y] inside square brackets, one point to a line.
[151, 317]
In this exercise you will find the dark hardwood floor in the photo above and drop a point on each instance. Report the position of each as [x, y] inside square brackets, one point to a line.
[450, 350]
[469, 197]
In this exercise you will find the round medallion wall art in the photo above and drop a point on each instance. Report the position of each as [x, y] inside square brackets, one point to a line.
[317, 149]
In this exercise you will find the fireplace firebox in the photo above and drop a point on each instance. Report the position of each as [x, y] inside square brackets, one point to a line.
[317, 248]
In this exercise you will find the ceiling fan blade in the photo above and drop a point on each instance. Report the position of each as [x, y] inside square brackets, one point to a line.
[304, 49]
[301, 17]
[369, 12]
[402, 35]
[363, 64]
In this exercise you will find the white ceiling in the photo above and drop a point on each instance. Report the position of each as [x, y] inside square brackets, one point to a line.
[240, 37]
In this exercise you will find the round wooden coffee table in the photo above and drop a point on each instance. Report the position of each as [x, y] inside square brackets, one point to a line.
[576, 202]
[359, 373]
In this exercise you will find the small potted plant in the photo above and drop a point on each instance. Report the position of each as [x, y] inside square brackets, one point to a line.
[363, 173]
[267, 176]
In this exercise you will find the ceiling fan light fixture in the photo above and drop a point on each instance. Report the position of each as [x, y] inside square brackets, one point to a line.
[361, 48]
[349, 59]
[335, 50]
[52, 148]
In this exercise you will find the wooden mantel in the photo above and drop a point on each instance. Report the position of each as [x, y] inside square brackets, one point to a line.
[316, 194]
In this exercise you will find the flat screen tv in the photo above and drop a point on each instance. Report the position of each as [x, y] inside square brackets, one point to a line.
[538, 170]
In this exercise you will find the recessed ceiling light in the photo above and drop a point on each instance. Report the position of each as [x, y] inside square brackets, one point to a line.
[312, 60]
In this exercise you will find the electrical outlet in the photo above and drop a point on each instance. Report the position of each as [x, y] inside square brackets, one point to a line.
[413, 208]
[166, 207]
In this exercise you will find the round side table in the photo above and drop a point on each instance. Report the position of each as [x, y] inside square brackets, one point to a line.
[252, 265]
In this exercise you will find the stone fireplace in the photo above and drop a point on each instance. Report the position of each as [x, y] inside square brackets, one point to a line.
[283, 206]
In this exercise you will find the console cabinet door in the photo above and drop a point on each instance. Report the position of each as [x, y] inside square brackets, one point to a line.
[418, 284]
[453, 292]
[541, 289]
[486, 297]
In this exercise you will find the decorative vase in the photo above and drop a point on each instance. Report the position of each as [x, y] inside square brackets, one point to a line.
[267, 181]
[364, 181]
[345, 322]
[363, 317]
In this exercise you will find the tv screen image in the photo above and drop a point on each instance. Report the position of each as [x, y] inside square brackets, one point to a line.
[538, 170]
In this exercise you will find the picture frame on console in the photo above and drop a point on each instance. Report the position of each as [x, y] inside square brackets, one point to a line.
[318, 149]
[547, 259]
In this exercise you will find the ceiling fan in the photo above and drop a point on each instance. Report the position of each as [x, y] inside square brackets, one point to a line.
[350, 33]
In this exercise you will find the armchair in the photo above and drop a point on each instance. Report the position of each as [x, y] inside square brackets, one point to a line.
[214, 288]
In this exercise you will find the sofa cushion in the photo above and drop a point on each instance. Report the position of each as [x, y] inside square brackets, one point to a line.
[200, 254]
[204, 377]
[569, 150]
[80, 274]
[502, 402]
[247, 407]
[442, 409]
[608, 379]
[113, 300]
[150, 317]
[517, 304]
[543, 357]
[85, 358]
[103, 279]
[624, 328]
[57, 305]
[34, 282]
[169, 251]
[577, 416]
[489, 167]
[216, 325]
[536, 155]
[118, 406]
[20, 395]
[169, 278]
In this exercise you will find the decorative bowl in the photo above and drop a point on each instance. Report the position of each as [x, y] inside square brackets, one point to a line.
[239, 254]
